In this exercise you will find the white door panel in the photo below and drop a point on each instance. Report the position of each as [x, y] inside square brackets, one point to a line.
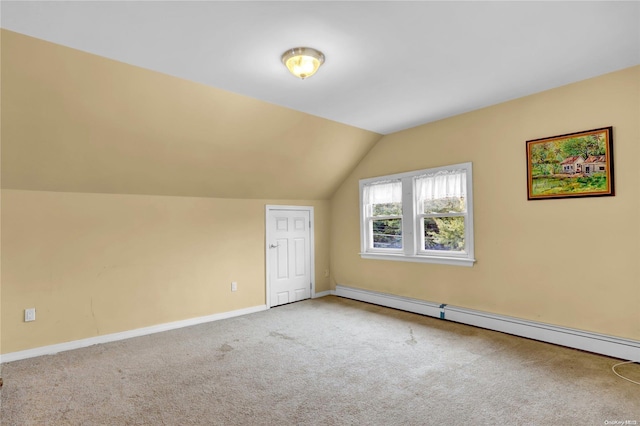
[289, 256]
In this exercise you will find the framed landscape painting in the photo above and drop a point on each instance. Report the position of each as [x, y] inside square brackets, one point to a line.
[573, 165]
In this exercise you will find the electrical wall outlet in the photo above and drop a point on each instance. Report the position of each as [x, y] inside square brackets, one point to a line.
[326, 272]
[234, 286]
[29, 314]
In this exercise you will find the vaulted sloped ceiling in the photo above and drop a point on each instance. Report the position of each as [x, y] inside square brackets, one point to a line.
[390, 65]
[73, 121]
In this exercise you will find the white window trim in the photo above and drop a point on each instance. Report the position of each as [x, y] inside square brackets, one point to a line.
[411, 227]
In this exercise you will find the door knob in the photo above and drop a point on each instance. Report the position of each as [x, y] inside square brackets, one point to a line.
[274, 245]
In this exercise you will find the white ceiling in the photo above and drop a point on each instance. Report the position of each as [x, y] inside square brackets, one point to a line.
[389, 65]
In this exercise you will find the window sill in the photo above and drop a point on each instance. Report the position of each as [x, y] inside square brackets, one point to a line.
[457, 261]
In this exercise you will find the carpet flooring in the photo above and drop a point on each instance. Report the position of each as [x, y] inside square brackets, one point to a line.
[328, 361]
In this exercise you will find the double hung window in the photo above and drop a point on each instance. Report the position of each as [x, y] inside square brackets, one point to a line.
[420, 216]
[384, 214]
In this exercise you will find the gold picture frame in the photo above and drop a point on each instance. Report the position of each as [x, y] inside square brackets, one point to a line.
[573, 165]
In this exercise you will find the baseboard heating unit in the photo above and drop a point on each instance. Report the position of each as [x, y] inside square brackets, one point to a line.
[592, 342]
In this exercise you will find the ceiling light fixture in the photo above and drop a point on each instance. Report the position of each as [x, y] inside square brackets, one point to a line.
[303, 62]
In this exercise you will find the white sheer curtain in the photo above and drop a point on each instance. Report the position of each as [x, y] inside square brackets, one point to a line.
[442, 184]
[383, 192]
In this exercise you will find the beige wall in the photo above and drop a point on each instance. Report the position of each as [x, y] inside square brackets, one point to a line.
[79, 132]
[528, 263]
[94, 264]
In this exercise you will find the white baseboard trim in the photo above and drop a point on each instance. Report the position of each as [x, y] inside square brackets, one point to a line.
[83, 343]
[616, 347]
[323, 294]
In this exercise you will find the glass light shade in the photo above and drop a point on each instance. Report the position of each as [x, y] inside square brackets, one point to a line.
[302, 62]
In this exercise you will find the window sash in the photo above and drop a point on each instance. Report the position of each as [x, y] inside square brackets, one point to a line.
[382, 192]
[432, 252]
[371, 236]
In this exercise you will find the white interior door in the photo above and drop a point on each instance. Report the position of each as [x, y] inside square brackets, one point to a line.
[289, 255]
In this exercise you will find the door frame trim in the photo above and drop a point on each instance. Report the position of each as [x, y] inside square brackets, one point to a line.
[312, 254]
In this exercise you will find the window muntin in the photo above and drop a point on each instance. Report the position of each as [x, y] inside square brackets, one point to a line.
[420, 216]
